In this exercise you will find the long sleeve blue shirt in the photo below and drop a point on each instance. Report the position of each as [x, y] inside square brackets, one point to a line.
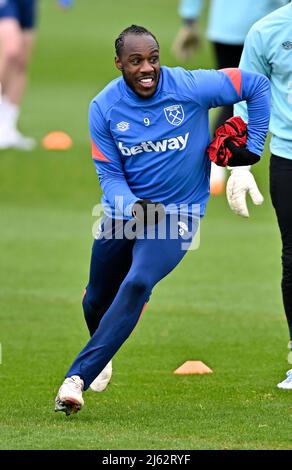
[155, 148]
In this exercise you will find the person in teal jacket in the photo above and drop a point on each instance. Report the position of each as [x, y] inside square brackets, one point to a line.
[228, 24]
[268, 50]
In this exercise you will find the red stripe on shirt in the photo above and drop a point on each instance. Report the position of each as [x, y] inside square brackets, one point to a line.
[97, 154]
[142, 311]
[236, 78]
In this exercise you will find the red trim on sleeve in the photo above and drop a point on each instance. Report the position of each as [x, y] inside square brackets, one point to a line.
[84, 294]
[142, 311]
[236, 78]
[97, 154]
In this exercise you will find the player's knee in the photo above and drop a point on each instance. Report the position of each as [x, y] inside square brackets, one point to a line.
[138, 284]
[89, 306]
[11, 55]
[21, 62]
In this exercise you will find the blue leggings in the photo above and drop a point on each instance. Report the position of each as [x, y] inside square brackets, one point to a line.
[123, 273]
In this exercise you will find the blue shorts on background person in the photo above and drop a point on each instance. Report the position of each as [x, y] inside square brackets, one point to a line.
[24, 11]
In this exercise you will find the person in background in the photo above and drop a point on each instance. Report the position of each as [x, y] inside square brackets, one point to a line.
[228, 24]
[268, 50]
[17, 37]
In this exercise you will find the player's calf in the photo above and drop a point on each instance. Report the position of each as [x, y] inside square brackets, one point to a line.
[102, 380]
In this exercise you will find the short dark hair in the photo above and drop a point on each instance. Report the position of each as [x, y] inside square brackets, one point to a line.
[134, 29]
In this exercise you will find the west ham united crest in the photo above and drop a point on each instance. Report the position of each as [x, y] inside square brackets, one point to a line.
[174, 114]
[287, 45]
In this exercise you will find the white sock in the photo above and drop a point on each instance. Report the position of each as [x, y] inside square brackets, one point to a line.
[9, 113]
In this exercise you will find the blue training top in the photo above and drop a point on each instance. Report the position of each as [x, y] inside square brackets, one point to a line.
[155, 148]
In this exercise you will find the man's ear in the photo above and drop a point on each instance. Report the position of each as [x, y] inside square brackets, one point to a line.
[118, 64]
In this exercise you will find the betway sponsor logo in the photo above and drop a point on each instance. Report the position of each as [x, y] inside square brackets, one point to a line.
[176, 143]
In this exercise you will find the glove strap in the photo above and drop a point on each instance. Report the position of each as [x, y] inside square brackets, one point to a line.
[236, 168]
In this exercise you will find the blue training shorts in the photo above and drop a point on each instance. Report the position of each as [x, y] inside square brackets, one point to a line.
[24, 11]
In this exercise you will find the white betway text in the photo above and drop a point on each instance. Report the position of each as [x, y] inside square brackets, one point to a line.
[175, 143]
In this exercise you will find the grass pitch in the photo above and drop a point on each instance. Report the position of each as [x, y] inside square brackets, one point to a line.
[222, 305]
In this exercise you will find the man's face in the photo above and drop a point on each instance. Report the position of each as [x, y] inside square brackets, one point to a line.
[139, 64]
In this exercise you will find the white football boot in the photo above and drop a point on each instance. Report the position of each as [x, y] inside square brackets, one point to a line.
[102, 380]
[69, 398]
[287, 383]
[10, 137]
[13, 139]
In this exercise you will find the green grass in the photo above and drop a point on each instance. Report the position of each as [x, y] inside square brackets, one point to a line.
[222, 305]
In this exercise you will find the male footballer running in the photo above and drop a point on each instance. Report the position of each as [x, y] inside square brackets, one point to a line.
[150, 132]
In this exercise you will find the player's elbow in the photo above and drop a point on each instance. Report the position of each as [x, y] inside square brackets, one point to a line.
[263, 85]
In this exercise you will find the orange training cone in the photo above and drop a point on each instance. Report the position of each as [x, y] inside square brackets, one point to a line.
[193, 367]
[57, 140]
